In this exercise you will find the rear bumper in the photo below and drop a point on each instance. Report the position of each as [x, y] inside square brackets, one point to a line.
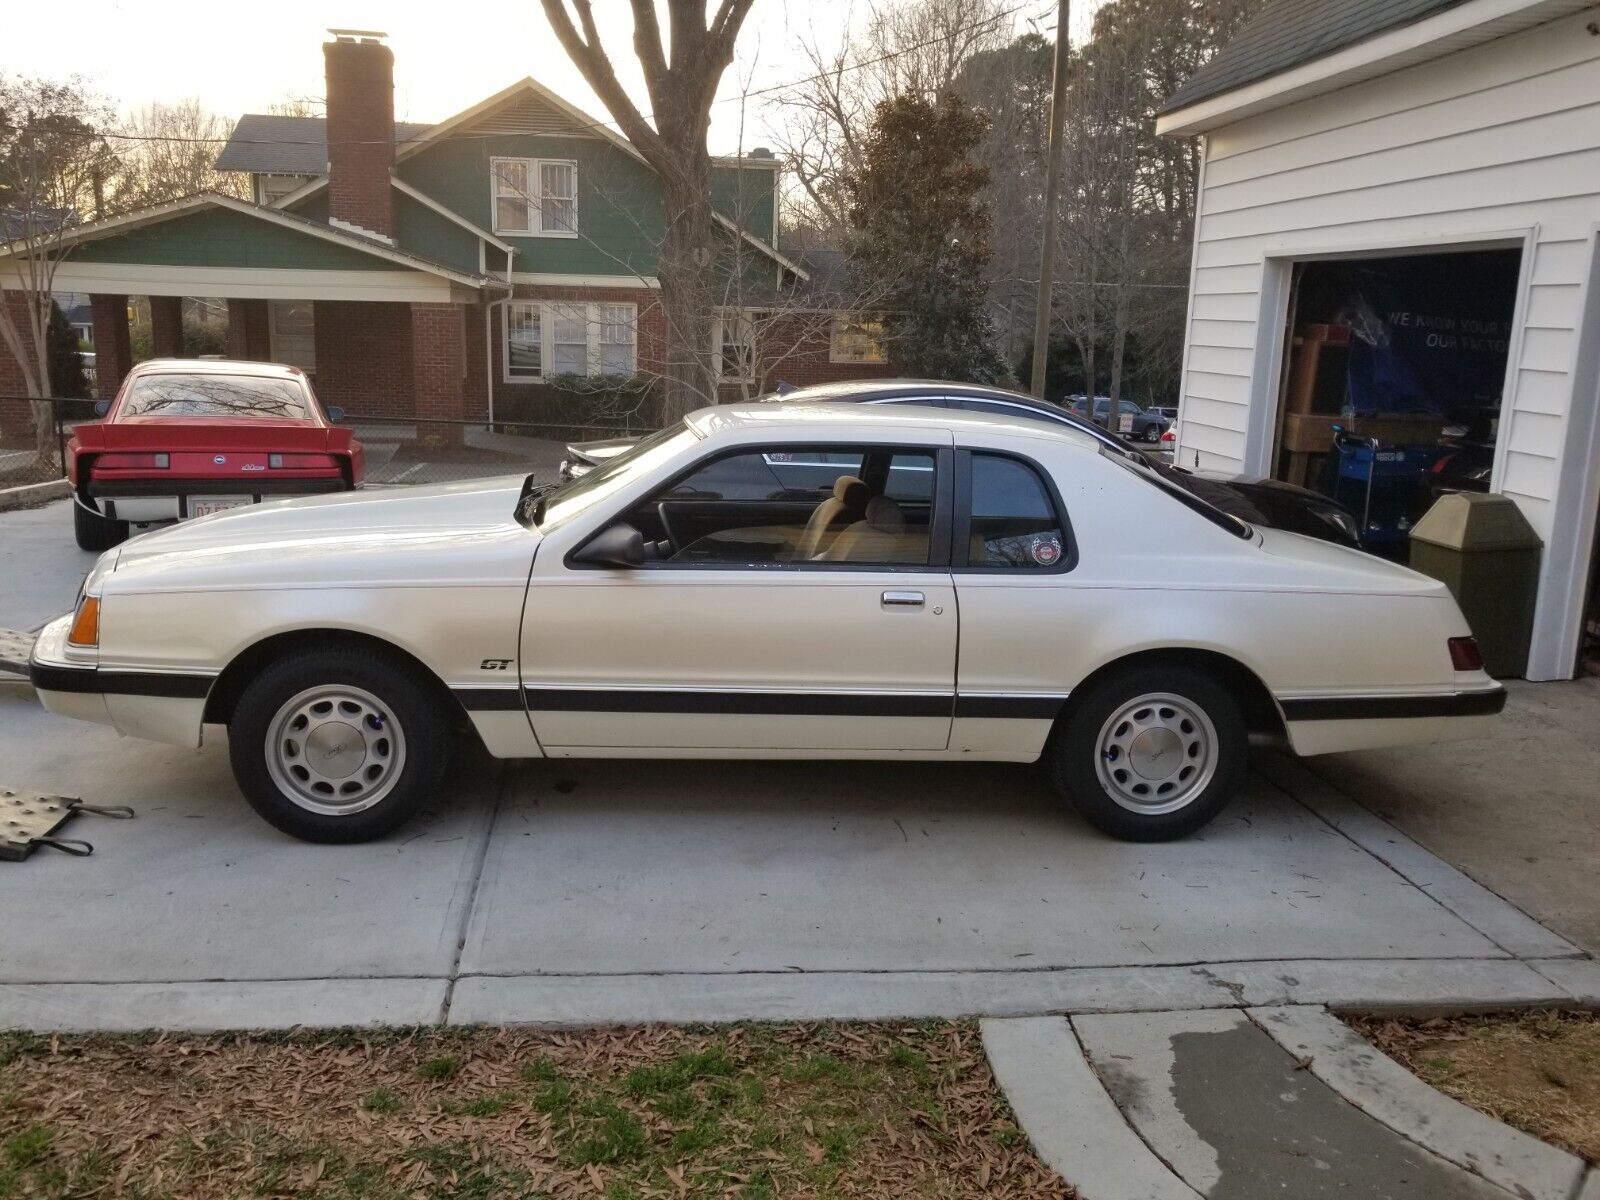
[1328, 724]
[141, 500]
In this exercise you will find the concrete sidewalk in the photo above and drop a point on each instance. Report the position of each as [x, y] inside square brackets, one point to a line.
[1252, 1105]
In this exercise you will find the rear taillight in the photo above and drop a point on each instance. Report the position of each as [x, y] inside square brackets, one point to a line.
[1465, 655]
[134, 462]
[301, 462]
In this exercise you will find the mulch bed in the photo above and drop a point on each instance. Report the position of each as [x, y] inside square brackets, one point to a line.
[905, 1110]
[1538, 1072]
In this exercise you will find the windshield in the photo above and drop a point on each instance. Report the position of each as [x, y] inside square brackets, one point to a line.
[1157, 478]
[565, 502]
[207, 395]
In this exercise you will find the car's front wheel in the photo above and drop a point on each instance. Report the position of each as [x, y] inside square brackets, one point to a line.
[94, 532]
[338, 746]
[1150, 753]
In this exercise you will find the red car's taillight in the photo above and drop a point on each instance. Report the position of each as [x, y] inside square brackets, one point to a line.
[301, 462]
[1465, 655]
[134, 462]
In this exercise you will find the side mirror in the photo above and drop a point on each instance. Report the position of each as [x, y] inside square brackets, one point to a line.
[335, 413]
[102, 407]
[617, 546]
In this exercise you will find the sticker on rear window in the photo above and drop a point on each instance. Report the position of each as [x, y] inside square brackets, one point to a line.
[1045, 551]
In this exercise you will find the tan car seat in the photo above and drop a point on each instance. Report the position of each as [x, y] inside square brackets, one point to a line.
[880, 537]
[848, 503]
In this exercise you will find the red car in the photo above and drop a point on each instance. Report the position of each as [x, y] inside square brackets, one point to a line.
[187, 437]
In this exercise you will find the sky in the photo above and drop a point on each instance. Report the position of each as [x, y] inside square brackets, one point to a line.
[237, 57]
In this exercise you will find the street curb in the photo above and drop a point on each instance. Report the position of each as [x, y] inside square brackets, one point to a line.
[32, 494]
[1073, 1123]
[1491, 915]
[1591, 1185]
[210, 1006]
[1580, 976]
[1391, 1095]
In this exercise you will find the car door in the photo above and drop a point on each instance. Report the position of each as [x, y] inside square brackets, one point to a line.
[727, 640]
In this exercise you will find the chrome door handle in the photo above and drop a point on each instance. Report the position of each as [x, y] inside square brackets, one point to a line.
[907, 599]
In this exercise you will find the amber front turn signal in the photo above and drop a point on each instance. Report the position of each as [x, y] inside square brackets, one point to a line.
[86, 625]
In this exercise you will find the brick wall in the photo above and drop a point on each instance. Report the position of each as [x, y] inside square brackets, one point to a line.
[360, 105]
[249, 335]
[113, 356]
[16, 420]
[166, 326]
[437, 361]
[794, 350]
[364, 357]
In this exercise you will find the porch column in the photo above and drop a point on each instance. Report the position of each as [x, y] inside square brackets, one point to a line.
[113, 356]
[166, 326]
[438, 369]
[248, 335]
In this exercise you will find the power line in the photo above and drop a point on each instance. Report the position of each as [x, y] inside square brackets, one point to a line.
[612, 124]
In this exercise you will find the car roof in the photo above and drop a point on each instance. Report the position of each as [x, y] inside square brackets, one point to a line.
[802, 416]
[857, 389]
[216, 366]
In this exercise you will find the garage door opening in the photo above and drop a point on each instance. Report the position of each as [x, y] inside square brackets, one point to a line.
[1395, 375]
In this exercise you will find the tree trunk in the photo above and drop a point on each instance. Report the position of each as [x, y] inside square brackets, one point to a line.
[686, 286]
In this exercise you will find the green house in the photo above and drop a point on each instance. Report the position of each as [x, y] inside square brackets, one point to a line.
[497, 266]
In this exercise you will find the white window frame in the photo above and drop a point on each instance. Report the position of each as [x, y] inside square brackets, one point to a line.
[837, 327]
[532, 203]
[277, 341]
[598, 315]
[745, 320]
[505, 342]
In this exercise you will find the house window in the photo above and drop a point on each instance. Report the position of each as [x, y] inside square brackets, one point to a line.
[573, 338]
[534, 196]
[617, 337]
[272, 188]
[736, 346]
[857, 340]
[292, 330]
[524, 343]
[569, 338]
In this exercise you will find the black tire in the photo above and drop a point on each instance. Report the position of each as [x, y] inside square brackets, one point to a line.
[402, 698]
[95, 532]
[1074, 755]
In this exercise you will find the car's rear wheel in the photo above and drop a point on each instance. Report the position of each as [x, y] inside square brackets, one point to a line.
[94, 532]
[1151, 753]
[338, 746]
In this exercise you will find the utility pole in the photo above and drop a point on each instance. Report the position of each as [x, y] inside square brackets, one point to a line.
[1052, 190]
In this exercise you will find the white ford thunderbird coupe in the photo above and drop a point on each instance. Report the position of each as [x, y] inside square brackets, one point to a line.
[776, 581]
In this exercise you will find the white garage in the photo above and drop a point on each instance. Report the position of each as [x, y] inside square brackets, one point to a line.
[1396, 240]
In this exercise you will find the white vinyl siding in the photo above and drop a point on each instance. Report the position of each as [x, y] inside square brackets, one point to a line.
[1490, 146]
[545, 339]
[534, 197]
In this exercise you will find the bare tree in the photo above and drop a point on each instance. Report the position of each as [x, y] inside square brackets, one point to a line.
[917, 49]
[170, 150]
[53, 167]
[682, 83]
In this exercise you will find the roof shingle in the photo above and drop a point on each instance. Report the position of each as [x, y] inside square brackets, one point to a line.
[270, 144]
[1288, 33]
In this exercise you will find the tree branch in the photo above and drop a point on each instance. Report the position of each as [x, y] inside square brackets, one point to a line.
[591, 60]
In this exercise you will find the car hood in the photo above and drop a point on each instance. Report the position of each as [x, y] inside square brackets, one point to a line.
[400, 535]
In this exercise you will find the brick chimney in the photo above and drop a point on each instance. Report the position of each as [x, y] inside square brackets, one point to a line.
[360, 75]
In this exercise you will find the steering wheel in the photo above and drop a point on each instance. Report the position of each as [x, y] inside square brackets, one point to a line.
[666, 527]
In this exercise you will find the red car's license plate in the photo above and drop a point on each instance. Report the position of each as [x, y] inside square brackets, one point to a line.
[204, 506]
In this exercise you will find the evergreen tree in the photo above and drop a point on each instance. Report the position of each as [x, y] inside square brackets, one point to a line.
[66, 364]
[920, 238]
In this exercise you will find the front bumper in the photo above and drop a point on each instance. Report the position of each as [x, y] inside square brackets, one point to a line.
[163, 706]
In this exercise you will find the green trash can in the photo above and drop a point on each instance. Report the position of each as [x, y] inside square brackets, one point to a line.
[1483, 549]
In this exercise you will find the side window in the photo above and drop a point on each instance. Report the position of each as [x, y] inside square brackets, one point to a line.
[1014, 523]
[776, 505]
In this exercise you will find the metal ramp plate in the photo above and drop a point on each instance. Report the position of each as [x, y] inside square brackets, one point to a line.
[15, 647]
[27, 817]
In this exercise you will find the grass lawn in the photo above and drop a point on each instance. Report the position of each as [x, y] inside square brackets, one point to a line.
[1537, 1071]
[906, 1110]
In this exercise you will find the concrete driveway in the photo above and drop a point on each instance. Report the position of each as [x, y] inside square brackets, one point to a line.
[596, 892]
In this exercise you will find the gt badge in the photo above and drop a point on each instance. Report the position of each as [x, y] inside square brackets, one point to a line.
[1045, 551]
[494, 664]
